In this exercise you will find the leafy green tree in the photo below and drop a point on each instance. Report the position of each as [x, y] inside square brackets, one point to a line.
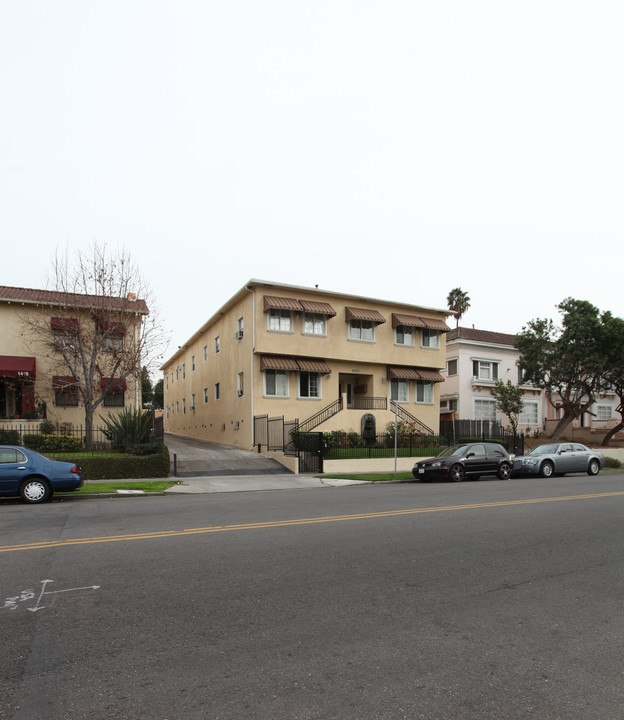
[147, 392]
[568, 362]
[614, 375]
[458, 301]
[158, 395]
[509, 401]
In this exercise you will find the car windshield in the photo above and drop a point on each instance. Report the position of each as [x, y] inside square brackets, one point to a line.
[544, 450]
[453, 450]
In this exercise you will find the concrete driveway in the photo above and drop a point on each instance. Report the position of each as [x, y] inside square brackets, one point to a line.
[200, 458]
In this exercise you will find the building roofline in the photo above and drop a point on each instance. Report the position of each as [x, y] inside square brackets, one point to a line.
[480, 337]
[255, 282]
[34, 296]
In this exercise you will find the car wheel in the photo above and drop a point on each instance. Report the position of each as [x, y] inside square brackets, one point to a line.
[547, 469]
[504, 471]
[594, 467]
[457, 473]
[35, 490]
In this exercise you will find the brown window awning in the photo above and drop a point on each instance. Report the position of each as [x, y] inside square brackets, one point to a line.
[293, 364]
[352, 313]
[278, 362]
[320, 308]
[412, 373]
[419, 322]
[271, 302]
[313, 365]
[16, 366]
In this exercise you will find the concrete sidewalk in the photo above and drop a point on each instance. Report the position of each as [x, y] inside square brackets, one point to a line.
[250, 483]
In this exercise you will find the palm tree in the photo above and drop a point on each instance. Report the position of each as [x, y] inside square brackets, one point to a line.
[459, 302]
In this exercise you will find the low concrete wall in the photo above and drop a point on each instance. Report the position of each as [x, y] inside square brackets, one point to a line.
[372, 465]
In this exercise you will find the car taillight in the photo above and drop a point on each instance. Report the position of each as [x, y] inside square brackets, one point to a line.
[76, 470]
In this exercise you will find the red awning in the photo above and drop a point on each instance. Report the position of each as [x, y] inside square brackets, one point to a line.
[278, 362]
[115, 383]
[281, 303]
[15, 366]
[63, 381]
[63, 323]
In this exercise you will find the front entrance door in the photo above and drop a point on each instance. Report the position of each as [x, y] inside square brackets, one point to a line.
[346, 387]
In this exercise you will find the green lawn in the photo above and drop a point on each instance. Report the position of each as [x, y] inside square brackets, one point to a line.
[111, 486]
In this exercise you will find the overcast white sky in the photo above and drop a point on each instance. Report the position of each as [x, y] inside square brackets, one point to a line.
[391, 148]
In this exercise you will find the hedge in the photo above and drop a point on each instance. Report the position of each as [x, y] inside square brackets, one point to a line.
[52, 443]
[127, 467]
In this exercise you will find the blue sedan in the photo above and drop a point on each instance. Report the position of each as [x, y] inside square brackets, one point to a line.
[35, 477]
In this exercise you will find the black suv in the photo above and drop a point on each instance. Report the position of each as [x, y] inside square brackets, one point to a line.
[465, 461]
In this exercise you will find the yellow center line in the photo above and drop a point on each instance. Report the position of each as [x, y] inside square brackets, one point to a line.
[42, 545]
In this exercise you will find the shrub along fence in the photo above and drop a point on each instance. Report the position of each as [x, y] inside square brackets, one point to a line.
[339, 445]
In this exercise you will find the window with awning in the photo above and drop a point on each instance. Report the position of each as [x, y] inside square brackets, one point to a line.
[414, 373]
[65, 391]
[20, 367]
[294, 364]
[374, 316]
[419, 322]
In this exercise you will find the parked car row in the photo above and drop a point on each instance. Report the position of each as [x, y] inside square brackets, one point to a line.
[471, 460]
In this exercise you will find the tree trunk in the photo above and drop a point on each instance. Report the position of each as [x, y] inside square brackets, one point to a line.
[568, 416]
[89, 439]
[607, 438]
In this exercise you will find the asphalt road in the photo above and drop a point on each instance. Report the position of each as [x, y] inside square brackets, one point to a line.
[486, 599]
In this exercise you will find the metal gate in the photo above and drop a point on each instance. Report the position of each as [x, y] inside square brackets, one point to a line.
[310, 451]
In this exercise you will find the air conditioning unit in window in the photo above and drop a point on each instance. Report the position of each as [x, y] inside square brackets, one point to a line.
[240, 393]
[238, 335]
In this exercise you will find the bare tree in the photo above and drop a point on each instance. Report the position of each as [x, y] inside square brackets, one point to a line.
[95, 326]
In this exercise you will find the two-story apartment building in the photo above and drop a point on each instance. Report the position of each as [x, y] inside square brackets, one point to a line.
[282, 350]
[37, 327]
[476, 359]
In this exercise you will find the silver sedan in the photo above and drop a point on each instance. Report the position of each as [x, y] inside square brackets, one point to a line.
[559, 459]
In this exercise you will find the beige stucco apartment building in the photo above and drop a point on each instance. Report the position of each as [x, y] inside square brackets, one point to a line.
[35, 383]
[280, 350]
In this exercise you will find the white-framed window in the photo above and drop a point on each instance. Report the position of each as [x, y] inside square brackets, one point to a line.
[205, 395]
[192, 401]
[192, 362]
[604, 412]
[452, 405]
[217, 390]
[362, 330]
[309, 385]
[240, 384]
[485, 370]
[183, 371]
[205, 353]
[276, 383]
[280, 320]
[239, 329]
[167, 411]
[424, 391]
[314, 324]
[404, 335]
[430, 338]
[484, 409]
[451, 367]
[177, 407]
[529, 414]
[217, 345]
[183, 406]
[399, 390]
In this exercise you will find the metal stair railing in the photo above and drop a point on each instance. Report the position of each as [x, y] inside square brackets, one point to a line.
[409, 418]
[321, 416]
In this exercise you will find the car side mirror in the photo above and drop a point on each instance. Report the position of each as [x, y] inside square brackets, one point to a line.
[471, 454]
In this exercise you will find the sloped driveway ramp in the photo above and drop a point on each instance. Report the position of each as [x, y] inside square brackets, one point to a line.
[200, 458]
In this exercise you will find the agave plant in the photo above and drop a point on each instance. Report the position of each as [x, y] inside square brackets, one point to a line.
[128, 428]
